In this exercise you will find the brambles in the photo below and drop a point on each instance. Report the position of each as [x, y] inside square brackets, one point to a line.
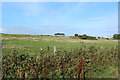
[85, 62]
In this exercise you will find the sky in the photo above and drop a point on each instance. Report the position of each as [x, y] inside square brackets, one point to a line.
[48, 18]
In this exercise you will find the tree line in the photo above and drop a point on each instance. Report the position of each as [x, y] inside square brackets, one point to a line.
[84, 36]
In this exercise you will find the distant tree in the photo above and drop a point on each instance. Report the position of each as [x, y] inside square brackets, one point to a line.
[84, 35]
[116, 36]
[76, 35]
[107, 38]
[98, 37]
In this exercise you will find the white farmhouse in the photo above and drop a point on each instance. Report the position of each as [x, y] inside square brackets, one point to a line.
[106, 37]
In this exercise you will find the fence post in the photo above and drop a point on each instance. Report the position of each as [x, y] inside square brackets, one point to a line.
[54, 50]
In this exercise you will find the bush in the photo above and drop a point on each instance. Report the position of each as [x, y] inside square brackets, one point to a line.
[87, 37]
[78, 63]
[76, 35]
[116, 36]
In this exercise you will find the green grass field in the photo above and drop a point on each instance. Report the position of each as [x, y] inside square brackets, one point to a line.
[32, 44]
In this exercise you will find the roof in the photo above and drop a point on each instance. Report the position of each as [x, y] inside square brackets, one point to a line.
[59, 34]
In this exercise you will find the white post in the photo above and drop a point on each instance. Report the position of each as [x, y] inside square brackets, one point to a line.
[54, 50]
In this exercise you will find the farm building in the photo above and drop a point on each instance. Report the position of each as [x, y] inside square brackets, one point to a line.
[59, 34]
[106, 37]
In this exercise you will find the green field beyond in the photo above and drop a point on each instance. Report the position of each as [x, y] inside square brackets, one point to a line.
[32, 44]
[104, 53]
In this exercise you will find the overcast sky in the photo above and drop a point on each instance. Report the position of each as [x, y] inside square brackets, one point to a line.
[91, 18]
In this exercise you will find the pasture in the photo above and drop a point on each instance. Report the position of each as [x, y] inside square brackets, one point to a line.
[71, 53]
